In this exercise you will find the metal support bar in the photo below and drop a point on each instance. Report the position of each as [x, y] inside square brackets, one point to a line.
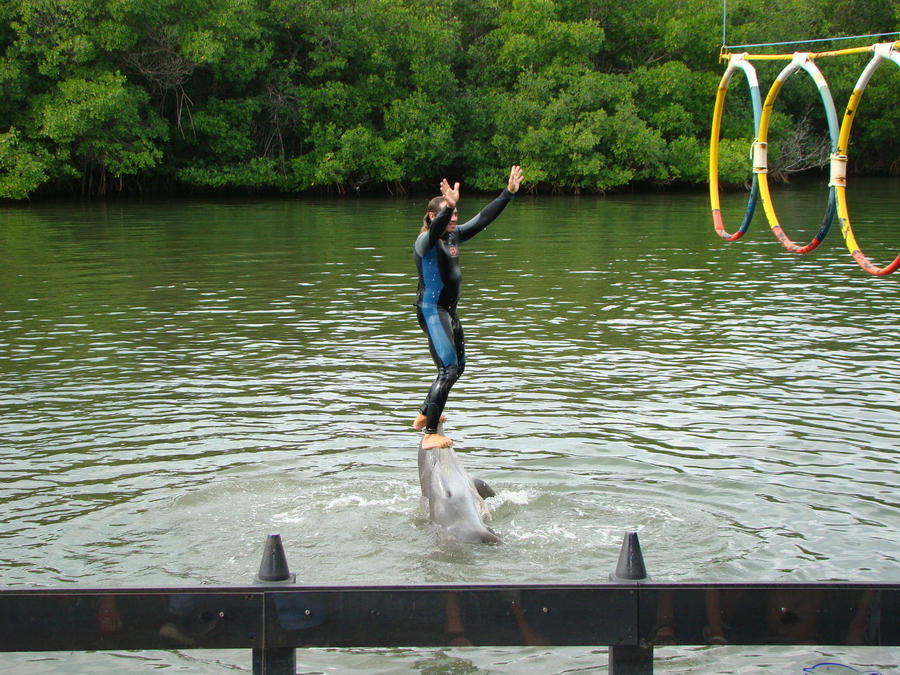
[630, 660]
[274, 571]
[637, 658]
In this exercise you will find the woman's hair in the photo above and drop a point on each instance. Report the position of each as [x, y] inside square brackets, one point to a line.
[434, 206]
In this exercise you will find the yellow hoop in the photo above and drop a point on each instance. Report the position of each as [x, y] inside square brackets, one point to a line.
[736, 62]
[883, 52]
[760, 156]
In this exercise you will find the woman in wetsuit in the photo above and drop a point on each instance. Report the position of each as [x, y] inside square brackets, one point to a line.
[437, 260]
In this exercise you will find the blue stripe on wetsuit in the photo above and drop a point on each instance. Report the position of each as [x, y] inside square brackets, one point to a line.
[439, 334]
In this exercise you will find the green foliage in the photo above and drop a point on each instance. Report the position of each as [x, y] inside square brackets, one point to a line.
[421, 131]
[688, 159]
[56, 35]
[23, 167]
[346, 95]
[586, 135]
[532, 37]
[735, 164]
[667, 95]
[102, 121]
[225, 129]
[257, 173]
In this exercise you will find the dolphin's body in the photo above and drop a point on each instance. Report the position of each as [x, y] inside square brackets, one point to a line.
[455, 500]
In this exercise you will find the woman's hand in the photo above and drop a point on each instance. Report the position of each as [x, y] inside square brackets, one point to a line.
[450, 195]
[515, 179]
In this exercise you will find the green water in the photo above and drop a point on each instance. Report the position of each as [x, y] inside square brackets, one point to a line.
[180, 378]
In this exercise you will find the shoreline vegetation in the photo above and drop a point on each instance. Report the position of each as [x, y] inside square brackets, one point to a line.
[384, 97]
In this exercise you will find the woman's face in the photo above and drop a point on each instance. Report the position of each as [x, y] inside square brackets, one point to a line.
[453, 218]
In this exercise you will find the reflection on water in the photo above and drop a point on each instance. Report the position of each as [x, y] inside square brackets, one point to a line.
[181, 378]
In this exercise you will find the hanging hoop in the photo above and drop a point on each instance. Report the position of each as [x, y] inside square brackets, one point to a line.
[883, 52]
[760, 157]
[736, 62]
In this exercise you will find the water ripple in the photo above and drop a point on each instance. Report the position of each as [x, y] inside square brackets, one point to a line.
[165, 406]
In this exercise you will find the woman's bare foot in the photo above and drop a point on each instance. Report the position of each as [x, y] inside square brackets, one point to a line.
[434, 441]
[419, 424]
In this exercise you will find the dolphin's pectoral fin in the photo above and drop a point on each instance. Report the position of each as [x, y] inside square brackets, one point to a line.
[483, 489]
[491, 536]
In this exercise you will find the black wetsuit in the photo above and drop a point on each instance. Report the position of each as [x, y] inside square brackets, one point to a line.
[437, 260]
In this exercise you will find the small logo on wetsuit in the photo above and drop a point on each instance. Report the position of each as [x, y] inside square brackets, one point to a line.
[454, 251]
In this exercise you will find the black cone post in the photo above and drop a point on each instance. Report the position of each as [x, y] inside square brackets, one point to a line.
[274, 570]
[274, 565]
[631, 561]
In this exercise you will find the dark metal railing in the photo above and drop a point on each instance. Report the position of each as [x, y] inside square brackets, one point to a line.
[275, 618]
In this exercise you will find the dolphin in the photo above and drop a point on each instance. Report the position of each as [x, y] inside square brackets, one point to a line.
[455, 499]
